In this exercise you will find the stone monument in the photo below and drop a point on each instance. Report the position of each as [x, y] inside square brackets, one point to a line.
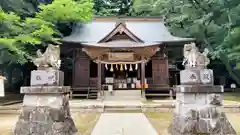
[198, 101]
[45, 108]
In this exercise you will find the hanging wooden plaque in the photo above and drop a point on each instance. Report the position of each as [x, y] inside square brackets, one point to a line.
[116, 56]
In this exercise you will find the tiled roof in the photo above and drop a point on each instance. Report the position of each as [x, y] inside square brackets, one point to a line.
[147, 30]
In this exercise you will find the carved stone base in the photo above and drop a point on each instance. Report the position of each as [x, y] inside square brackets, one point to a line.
[198, 112]
[45, 113]
[193, 124]
[44, 121]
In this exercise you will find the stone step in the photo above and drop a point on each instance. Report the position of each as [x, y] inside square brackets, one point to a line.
[79, 95]
[123, 95]
[122, 109]
[126, 92]
[164, 94]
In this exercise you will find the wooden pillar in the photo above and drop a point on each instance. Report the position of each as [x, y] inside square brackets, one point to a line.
[143, 79]
[99, 79]
[103, 72]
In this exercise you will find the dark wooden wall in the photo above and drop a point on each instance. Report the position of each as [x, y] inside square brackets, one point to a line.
[81, 70]
[160, 75]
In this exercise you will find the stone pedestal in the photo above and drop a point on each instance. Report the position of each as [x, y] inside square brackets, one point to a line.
[47, 78]
[45, 109]
[198, 104]
[196, 76]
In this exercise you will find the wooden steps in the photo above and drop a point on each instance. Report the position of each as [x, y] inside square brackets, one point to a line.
[84, 92]
[92, 93]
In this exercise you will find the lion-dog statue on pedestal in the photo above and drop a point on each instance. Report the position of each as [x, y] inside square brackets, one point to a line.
[193, 58]
[50, 58]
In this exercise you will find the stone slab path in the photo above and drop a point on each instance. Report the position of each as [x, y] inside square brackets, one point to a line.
[123, 124]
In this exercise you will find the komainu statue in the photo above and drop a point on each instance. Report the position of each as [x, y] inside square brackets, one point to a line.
[50, 58]
[193, 58]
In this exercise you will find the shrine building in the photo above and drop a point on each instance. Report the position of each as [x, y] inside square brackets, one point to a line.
[122, 54]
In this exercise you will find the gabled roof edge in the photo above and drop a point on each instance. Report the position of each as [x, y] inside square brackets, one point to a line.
[118, 29]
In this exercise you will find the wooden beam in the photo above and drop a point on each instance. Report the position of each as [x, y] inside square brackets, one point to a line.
[94, 52]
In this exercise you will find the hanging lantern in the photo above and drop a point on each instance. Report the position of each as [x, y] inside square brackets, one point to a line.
[116, 66]
[136, 66]
[121, 67]
[125, 66]
[106, 66]
[111, 69]
[131, 69]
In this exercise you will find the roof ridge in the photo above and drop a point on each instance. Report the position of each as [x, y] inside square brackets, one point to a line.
[128, 18]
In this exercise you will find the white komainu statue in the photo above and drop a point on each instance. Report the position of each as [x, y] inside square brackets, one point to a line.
[192, 56]
[50, 58]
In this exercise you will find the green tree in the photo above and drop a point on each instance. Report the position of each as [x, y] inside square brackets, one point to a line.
[115, 8]
[20, 36]
[214, 23]
[24, 8]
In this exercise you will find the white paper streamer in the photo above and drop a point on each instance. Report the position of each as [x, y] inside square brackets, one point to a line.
[136, 66]
[106, 66]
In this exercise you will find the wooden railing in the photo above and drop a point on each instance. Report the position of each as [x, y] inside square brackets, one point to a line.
[93, 82]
